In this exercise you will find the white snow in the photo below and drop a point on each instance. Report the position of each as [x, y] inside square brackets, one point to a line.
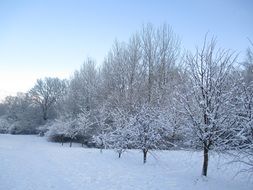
[32, 163]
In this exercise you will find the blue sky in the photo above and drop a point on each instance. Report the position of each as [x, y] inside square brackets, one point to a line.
[53, 38]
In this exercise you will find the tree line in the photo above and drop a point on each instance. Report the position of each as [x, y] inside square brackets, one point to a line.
[147, 94]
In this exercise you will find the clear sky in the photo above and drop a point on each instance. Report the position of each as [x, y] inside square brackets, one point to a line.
[41, 38]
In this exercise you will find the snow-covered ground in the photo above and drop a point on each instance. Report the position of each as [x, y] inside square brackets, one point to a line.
[32, 163]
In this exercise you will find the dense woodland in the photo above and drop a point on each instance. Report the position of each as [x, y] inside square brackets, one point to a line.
[147, 94]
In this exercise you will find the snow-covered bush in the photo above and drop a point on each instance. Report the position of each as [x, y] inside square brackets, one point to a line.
[69, 129]
[56, 130]
[4, 125]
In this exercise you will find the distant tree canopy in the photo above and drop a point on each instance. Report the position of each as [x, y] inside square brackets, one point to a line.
[46, 93]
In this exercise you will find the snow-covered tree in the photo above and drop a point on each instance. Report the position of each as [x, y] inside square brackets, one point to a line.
[22, 115]
[87, 125]
[72, 129]
[82, 93]
[119, 138]
[243, 142]
[104, 127]
[147, 130]
[207, 97]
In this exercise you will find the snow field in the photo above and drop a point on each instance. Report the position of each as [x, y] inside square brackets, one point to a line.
[32, 163]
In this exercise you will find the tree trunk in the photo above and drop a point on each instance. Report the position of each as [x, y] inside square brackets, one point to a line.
[120, 154]
[145, 152]
[70, 144]
[45, 114]
[62, 140]
[205, 163]
[149, 85]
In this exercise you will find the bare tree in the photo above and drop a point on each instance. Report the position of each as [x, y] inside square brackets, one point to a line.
[168, 54]
[248, 64]
[134, 71]
[82, 91]
[150, 50]
[46, 92]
